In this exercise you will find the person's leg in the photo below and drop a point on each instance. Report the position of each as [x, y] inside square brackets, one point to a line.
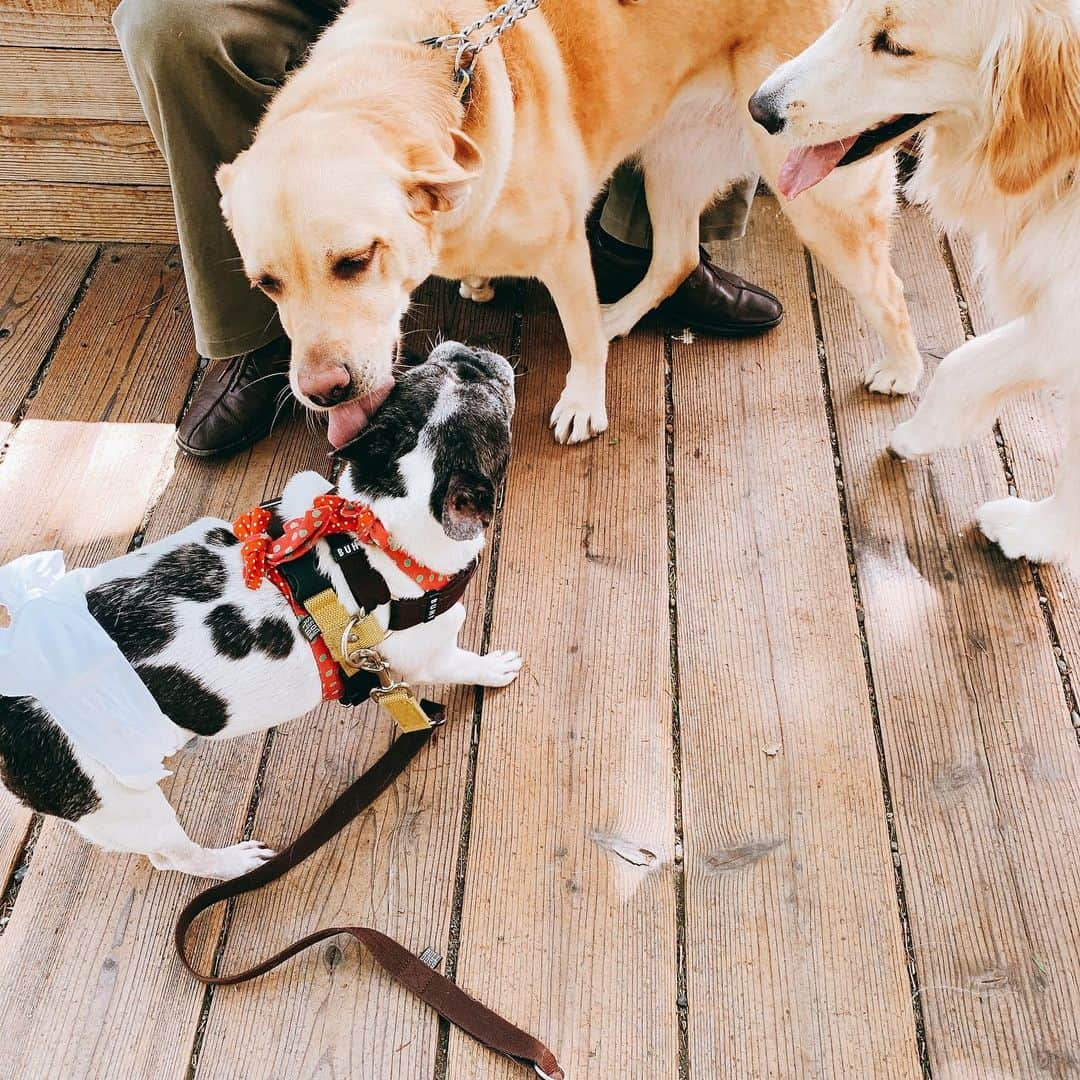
[204, 71]
[711, 300]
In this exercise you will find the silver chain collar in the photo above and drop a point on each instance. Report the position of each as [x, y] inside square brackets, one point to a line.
[466, 50]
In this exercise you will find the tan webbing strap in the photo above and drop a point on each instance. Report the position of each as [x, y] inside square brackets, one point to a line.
[445, 997]
[332, 620]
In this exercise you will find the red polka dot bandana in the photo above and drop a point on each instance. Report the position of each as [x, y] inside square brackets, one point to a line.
[329, 513]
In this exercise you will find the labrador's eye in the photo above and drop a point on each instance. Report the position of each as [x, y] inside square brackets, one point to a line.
[883, 43]
[348, 267]
[269, 284]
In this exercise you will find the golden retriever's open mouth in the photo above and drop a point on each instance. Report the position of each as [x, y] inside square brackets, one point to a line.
[345, 422]
[807, 166]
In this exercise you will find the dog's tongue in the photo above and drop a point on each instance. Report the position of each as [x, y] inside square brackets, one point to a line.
[806, 166]
[345, 422]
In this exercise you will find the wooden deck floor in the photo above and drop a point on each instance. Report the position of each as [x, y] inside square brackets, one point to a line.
[790, 785]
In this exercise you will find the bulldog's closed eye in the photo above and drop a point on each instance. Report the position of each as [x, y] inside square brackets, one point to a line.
[350, 266]
[884, 43]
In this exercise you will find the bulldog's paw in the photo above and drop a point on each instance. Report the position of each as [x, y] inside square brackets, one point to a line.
[499, 668]
[231, 862]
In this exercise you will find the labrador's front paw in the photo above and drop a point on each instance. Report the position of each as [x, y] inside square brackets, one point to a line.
[580, 414]
[893, 375]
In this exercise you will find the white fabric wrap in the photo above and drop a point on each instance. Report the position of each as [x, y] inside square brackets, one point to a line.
[57, 652]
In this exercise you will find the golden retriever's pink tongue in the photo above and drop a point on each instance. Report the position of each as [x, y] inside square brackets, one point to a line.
[806, 166]
[345, 422]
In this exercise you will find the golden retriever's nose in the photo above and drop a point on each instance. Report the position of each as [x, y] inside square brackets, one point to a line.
[326, 386]
[764, 112]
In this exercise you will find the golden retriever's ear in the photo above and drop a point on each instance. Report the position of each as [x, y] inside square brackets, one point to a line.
[435, 186]
[1036, 102]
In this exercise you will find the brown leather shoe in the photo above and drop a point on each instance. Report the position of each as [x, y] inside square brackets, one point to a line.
[710, 301]
[236, 403]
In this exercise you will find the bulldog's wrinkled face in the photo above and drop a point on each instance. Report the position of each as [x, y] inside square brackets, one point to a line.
[879, 73]
[334, 222]
[441, 440]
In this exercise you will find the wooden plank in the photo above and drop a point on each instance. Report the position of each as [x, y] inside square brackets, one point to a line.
[981, 754]
[38, 282]
[79, 152]
[82, 83]
[129, 353]
[1035, 434]
[795, 956]
[22, 26]
[395, 870]
[109, 212]
[569, 922]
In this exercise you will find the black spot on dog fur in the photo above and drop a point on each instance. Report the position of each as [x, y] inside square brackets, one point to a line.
[139, 614]
[230, 632]
[37, 764]
[184, 699]
[275, 637]
[233, 636]
[188, 572]
[140, 624]
[221, 537]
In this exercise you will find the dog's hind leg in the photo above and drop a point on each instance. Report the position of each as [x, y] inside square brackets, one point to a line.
[143, 823]
[698, 153]
[477, 289]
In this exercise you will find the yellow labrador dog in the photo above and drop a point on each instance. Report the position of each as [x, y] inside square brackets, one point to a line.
[367, 175]
[996, 85]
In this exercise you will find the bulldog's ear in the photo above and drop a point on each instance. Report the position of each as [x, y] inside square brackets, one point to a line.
[442, 182]
[1036, 94]
[468, 507]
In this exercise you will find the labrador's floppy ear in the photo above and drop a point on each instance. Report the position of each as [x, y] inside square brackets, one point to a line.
[1036, 95]
[468, 507]
[439, 181]
[225, 176]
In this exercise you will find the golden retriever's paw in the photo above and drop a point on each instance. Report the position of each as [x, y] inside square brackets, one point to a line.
[579, 415]
[908, 441]
[477, 289]
[888, 375]
[1028, 530]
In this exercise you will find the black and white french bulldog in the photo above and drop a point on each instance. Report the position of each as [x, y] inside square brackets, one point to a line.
[221, 659]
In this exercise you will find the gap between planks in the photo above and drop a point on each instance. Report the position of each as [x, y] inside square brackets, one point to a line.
[856, 592]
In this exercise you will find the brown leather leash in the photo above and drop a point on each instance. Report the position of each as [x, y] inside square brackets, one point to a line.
[417, 976]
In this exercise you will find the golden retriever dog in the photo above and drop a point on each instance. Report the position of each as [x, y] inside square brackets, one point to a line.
[995, 84]
[367, 175]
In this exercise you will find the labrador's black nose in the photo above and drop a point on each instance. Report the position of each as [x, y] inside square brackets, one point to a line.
[763, 110]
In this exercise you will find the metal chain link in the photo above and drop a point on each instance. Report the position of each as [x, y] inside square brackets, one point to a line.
[466, 50]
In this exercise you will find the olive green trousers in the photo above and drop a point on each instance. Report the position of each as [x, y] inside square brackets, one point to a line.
[205, 71]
